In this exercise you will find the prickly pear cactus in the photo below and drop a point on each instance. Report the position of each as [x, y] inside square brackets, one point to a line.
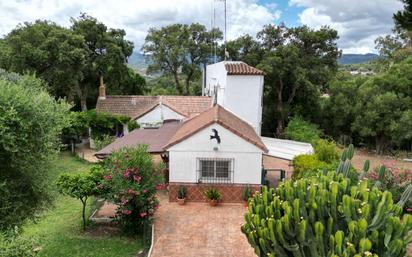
[325, 216]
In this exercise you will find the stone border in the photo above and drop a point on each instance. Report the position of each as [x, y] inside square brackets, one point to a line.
[149, 253]
[105, 220]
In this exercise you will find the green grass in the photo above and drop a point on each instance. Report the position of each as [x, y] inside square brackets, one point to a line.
[58, 230]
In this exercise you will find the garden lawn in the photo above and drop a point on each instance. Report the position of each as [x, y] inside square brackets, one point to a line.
[58, 230]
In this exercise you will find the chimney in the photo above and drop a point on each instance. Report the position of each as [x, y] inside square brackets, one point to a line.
[102, 89]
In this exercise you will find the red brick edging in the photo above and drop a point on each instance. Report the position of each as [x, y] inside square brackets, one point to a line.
[231, 193]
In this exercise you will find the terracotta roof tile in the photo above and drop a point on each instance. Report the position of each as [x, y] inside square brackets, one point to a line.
[187, 105]
[154, 138]
[241, 68]
[136, 106]
[224, 118]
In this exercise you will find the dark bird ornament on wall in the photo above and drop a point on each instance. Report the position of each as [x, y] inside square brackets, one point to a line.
[215, 136]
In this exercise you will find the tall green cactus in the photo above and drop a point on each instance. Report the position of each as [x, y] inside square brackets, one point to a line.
[326, 216]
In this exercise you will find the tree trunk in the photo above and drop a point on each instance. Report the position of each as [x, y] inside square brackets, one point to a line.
[187, 83]
[178, 86]
[279, 127]
[84, 201]
[279, 110]
[381, 144]
[83, 103]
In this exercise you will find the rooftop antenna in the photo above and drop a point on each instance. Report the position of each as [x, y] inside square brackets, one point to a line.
[213, 24]
[226, 54]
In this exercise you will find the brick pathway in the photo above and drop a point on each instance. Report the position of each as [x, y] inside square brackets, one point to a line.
[197, 229]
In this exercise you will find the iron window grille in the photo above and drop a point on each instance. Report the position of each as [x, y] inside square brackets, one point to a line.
[215, 170]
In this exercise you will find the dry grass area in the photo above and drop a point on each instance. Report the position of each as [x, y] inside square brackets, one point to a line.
[362, 155]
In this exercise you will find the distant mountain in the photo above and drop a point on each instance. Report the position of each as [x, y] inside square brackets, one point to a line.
[137, 60]
[356, 58]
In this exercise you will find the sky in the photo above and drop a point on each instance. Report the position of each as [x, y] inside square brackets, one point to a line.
[358, 22]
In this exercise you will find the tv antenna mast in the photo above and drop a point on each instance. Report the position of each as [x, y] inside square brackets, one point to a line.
[225, 28]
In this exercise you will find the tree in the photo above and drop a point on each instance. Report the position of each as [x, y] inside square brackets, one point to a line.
[31, 122]
[53, 53]
[71, 59]
[180, 50]
[131, 181]
[107, 53]
[338, 110]
[297, 61]
[383, 109]
[81, 186]
[403, 19]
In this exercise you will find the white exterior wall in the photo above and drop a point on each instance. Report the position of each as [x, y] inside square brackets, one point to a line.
[183, 157]
[243, 96]
[240, 94]
[156, 116]
[216, 76]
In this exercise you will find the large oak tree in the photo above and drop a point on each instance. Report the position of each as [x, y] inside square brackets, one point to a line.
[180, 50]
[298, 62]
[71, 59]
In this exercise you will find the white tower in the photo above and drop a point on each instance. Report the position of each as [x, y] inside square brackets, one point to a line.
[237, 87]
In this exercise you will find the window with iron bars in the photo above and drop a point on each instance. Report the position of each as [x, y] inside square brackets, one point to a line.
[215, 170]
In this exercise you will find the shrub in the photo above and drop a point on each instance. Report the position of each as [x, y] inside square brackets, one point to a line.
[31, 122]
[132, 125]
[326, 151]
[104, 124]
[103, 141]
[181, 192]
[325, 216]
[307, 163]
[392, 178]
[300, 130]
[81, 186]
[14, 245]
[131, 182]
[212, 194]
[246, 193]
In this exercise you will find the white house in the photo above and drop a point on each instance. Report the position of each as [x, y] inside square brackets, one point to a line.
[152, 111]
[229, 163]
[238, 88]
[214, 140]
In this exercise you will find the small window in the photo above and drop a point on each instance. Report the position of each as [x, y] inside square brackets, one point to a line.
[215, 170]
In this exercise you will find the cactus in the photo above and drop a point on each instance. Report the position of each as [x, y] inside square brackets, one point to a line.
[326, 216]
[405, 196]
[366, 166]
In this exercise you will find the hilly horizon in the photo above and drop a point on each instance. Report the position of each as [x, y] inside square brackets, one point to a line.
[137, 60]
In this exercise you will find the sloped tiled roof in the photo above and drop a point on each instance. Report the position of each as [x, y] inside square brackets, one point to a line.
[187, 105]
[221, 116]
[154, 138]
[241, 68]
[135, 106]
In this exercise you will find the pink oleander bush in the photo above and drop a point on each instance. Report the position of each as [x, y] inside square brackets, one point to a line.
[393, 179]
[131, 181]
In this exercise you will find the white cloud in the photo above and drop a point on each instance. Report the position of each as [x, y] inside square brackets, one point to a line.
[137, 16]
[359, 22]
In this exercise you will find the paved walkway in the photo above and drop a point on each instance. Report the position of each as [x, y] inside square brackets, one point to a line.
[197, 229]
[84, 152]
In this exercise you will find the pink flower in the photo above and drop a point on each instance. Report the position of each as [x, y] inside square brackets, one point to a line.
[108, 177]
[126, 174]
[127, 212]
[159, 187]
[157, 206]
[137, 178]
[125, 201]
[131, 192]
[143, 214]
[144, 190]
